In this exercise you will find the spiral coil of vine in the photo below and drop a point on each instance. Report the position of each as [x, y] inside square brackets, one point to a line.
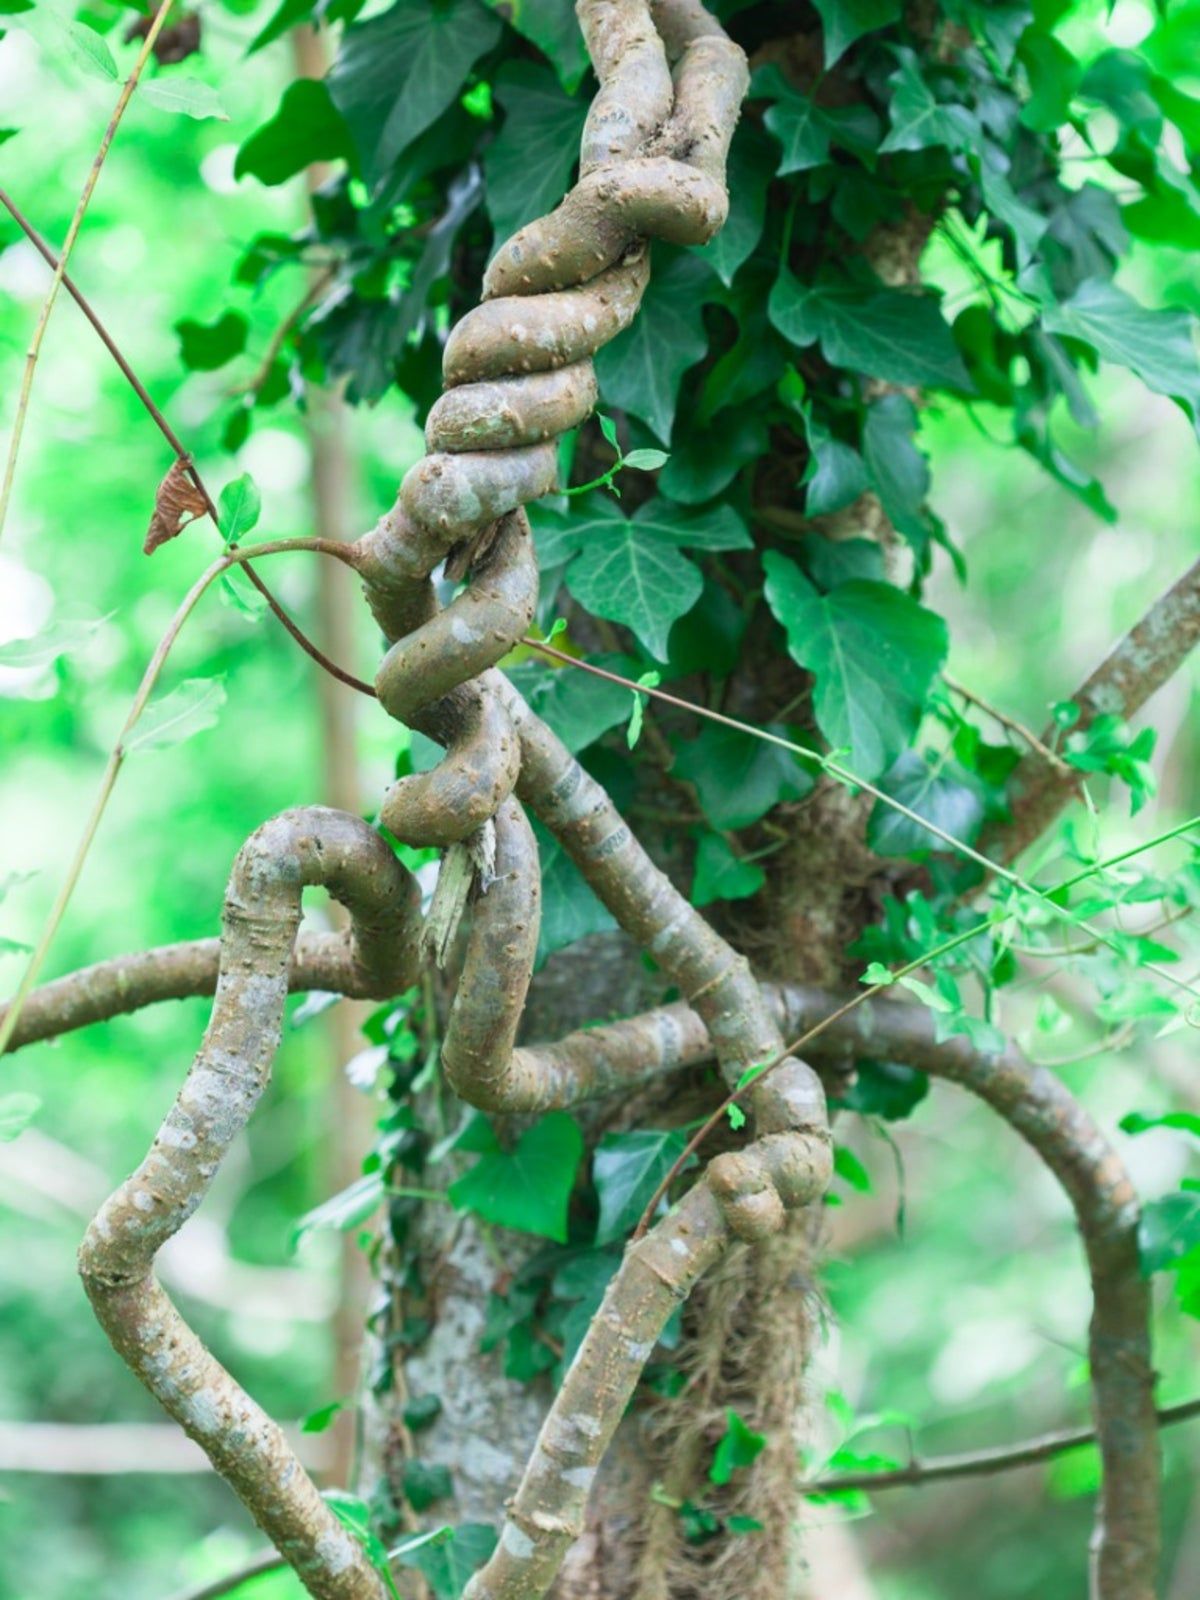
[518, 373]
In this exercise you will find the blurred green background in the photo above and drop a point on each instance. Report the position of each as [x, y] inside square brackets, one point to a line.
[973, 1321]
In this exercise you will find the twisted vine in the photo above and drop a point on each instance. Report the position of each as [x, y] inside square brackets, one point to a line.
[518, 373]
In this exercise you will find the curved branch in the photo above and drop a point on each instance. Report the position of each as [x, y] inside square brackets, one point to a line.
[1140, 663]
[261, 917]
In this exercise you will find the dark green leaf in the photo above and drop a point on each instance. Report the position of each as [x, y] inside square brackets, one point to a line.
[751, 162]
[884, 1089]
[570, 910]
[629, 572]
[918, 119]
[640, 370]
[847, 20]
[707, 459]
[940, 791]
[899, 472]
[447, 1566]
[396, 73]
[1053, 78]
[425, 1482]
[874, 652]
[1169, 1230]
[528, 165]
[529, 1187]
[739, 778]
[738, 1447]
[205, 347]
[551, 26]
[627, 1168]
[722, 875]
[306, 127]
[575, 705]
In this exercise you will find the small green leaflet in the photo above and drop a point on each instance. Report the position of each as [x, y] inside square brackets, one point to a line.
[448, 1563]
[398, 72]
[238, 508]
[40, 649]
[627, 1168]
[344, 1210]
[740, 1446]
[1139, 1122]
[639, 371]
[648, 680]
[885, 333]
[1159, 346]
[529, 1187]
[187, 710]
[320, 1420]
[306, 127]
[17, 1111]
[188, 96]
[850, 1170]
[845, 21]
[874, 652]
[528, 165]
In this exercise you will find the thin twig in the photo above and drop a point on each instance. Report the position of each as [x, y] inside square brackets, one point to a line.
[39, 332]
[230, 558]
[974, 1463]
[177, 445]
[1011, 723]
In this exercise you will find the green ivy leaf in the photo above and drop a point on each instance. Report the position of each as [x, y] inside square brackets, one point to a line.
[238, 508]
[342, 1211]
[1159, 346]
[627, 1168]
[940, 791]
[528, 165]
[396, 73]
[722, 875]
[447, 1566]
[899, 472]
[641, 369]
[738, 1447]
[572, 703]
[844, 21]
[1053, 74]
[884, 1089]
[796, 121]
[752, 159]
[570, 911]
[1169, 1230]
[919, 120]
[739, 778]
[551, 26]
[306, 127]
[529, 1187]
[187, 710]
[189, 97]
[885, 333]
[874, 653]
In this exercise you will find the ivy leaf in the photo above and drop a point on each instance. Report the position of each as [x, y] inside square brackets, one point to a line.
[526, 1188]
[528, 165]
[795, 120]
[187, 710]
[238, 508]
[396, 73]
[918, 118]
[188, 96]
[17, 1111]
[573, 704]
[627, 1168]
[447, 1565]
[884, 333]
[940, 791]
[873, 651]
[640, 370]
[752, 160]
[306, 127]
[844, 21]
[707, 459]
[289, 13]
[1158, 346]
[1169, 1230]
[344, 1210]
[836, 474]
[722, 875]
[205, 347]
[1053, 74]
[551, 26]
[899, 472]
[739, 778]
[884, 1089]
[717, 528]
[570, 910]
[628, 573]
[738, 1447]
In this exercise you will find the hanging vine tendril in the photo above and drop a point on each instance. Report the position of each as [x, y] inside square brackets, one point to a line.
[518, 373]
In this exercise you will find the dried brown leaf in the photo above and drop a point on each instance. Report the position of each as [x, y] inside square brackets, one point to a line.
[177, 503]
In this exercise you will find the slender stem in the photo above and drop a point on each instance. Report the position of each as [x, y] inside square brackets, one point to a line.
[118, 752]
[39, 332]
[1007, 721]
[176, 443]
[974, 1463]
